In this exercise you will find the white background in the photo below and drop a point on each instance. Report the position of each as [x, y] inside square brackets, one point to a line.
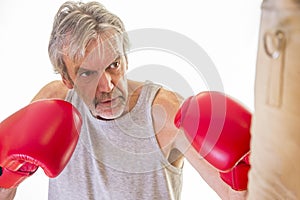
[226, 30]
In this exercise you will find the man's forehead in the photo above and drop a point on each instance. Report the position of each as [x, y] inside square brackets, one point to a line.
[103, 50]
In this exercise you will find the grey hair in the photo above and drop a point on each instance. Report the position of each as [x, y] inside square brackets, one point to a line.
[75, 25]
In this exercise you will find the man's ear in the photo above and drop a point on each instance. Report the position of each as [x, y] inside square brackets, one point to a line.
[67, 81]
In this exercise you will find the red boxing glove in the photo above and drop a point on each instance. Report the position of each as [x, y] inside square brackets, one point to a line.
[219, 129]
[44, 133]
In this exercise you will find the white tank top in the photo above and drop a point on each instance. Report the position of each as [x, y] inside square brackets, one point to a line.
[118, 159]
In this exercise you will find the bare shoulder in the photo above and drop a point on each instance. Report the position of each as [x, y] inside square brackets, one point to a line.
[165, 106]
[53, 90]
[168, 100]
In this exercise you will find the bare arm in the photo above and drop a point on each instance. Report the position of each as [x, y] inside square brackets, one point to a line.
[206, 171]
[170, 102]
[7, 194]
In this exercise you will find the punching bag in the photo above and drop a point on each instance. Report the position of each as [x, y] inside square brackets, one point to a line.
[275, 140]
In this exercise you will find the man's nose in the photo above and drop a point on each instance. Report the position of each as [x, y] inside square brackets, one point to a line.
[105, 82]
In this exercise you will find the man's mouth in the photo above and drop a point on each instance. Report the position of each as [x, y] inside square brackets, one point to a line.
[106, 101]
[111, 102]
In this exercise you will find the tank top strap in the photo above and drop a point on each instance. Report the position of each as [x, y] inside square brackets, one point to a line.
[148, 93]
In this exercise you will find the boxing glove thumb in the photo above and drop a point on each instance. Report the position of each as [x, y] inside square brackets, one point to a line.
[237, 177]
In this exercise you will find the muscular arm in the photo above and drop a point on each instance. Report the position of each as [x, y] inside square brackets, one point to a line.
[171, 139]
[163, 110]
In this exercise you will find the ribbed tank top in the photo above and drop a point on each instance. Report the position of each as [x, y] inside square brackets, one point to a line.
[118, 159]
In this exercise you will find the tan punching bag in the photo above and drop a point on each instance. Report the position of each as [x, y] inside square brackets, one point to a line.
[275, 144]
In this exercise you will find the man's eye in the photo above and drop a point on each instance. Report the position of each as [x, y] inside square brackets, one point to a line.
[114, 65]
[87, 73]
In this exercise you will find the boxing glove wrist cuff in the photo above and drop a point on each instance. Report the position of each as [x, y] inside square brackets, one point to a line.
[11, 179]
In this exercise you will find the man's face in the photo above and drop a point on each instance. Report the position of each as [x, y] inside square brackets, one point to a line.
[99, 78]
